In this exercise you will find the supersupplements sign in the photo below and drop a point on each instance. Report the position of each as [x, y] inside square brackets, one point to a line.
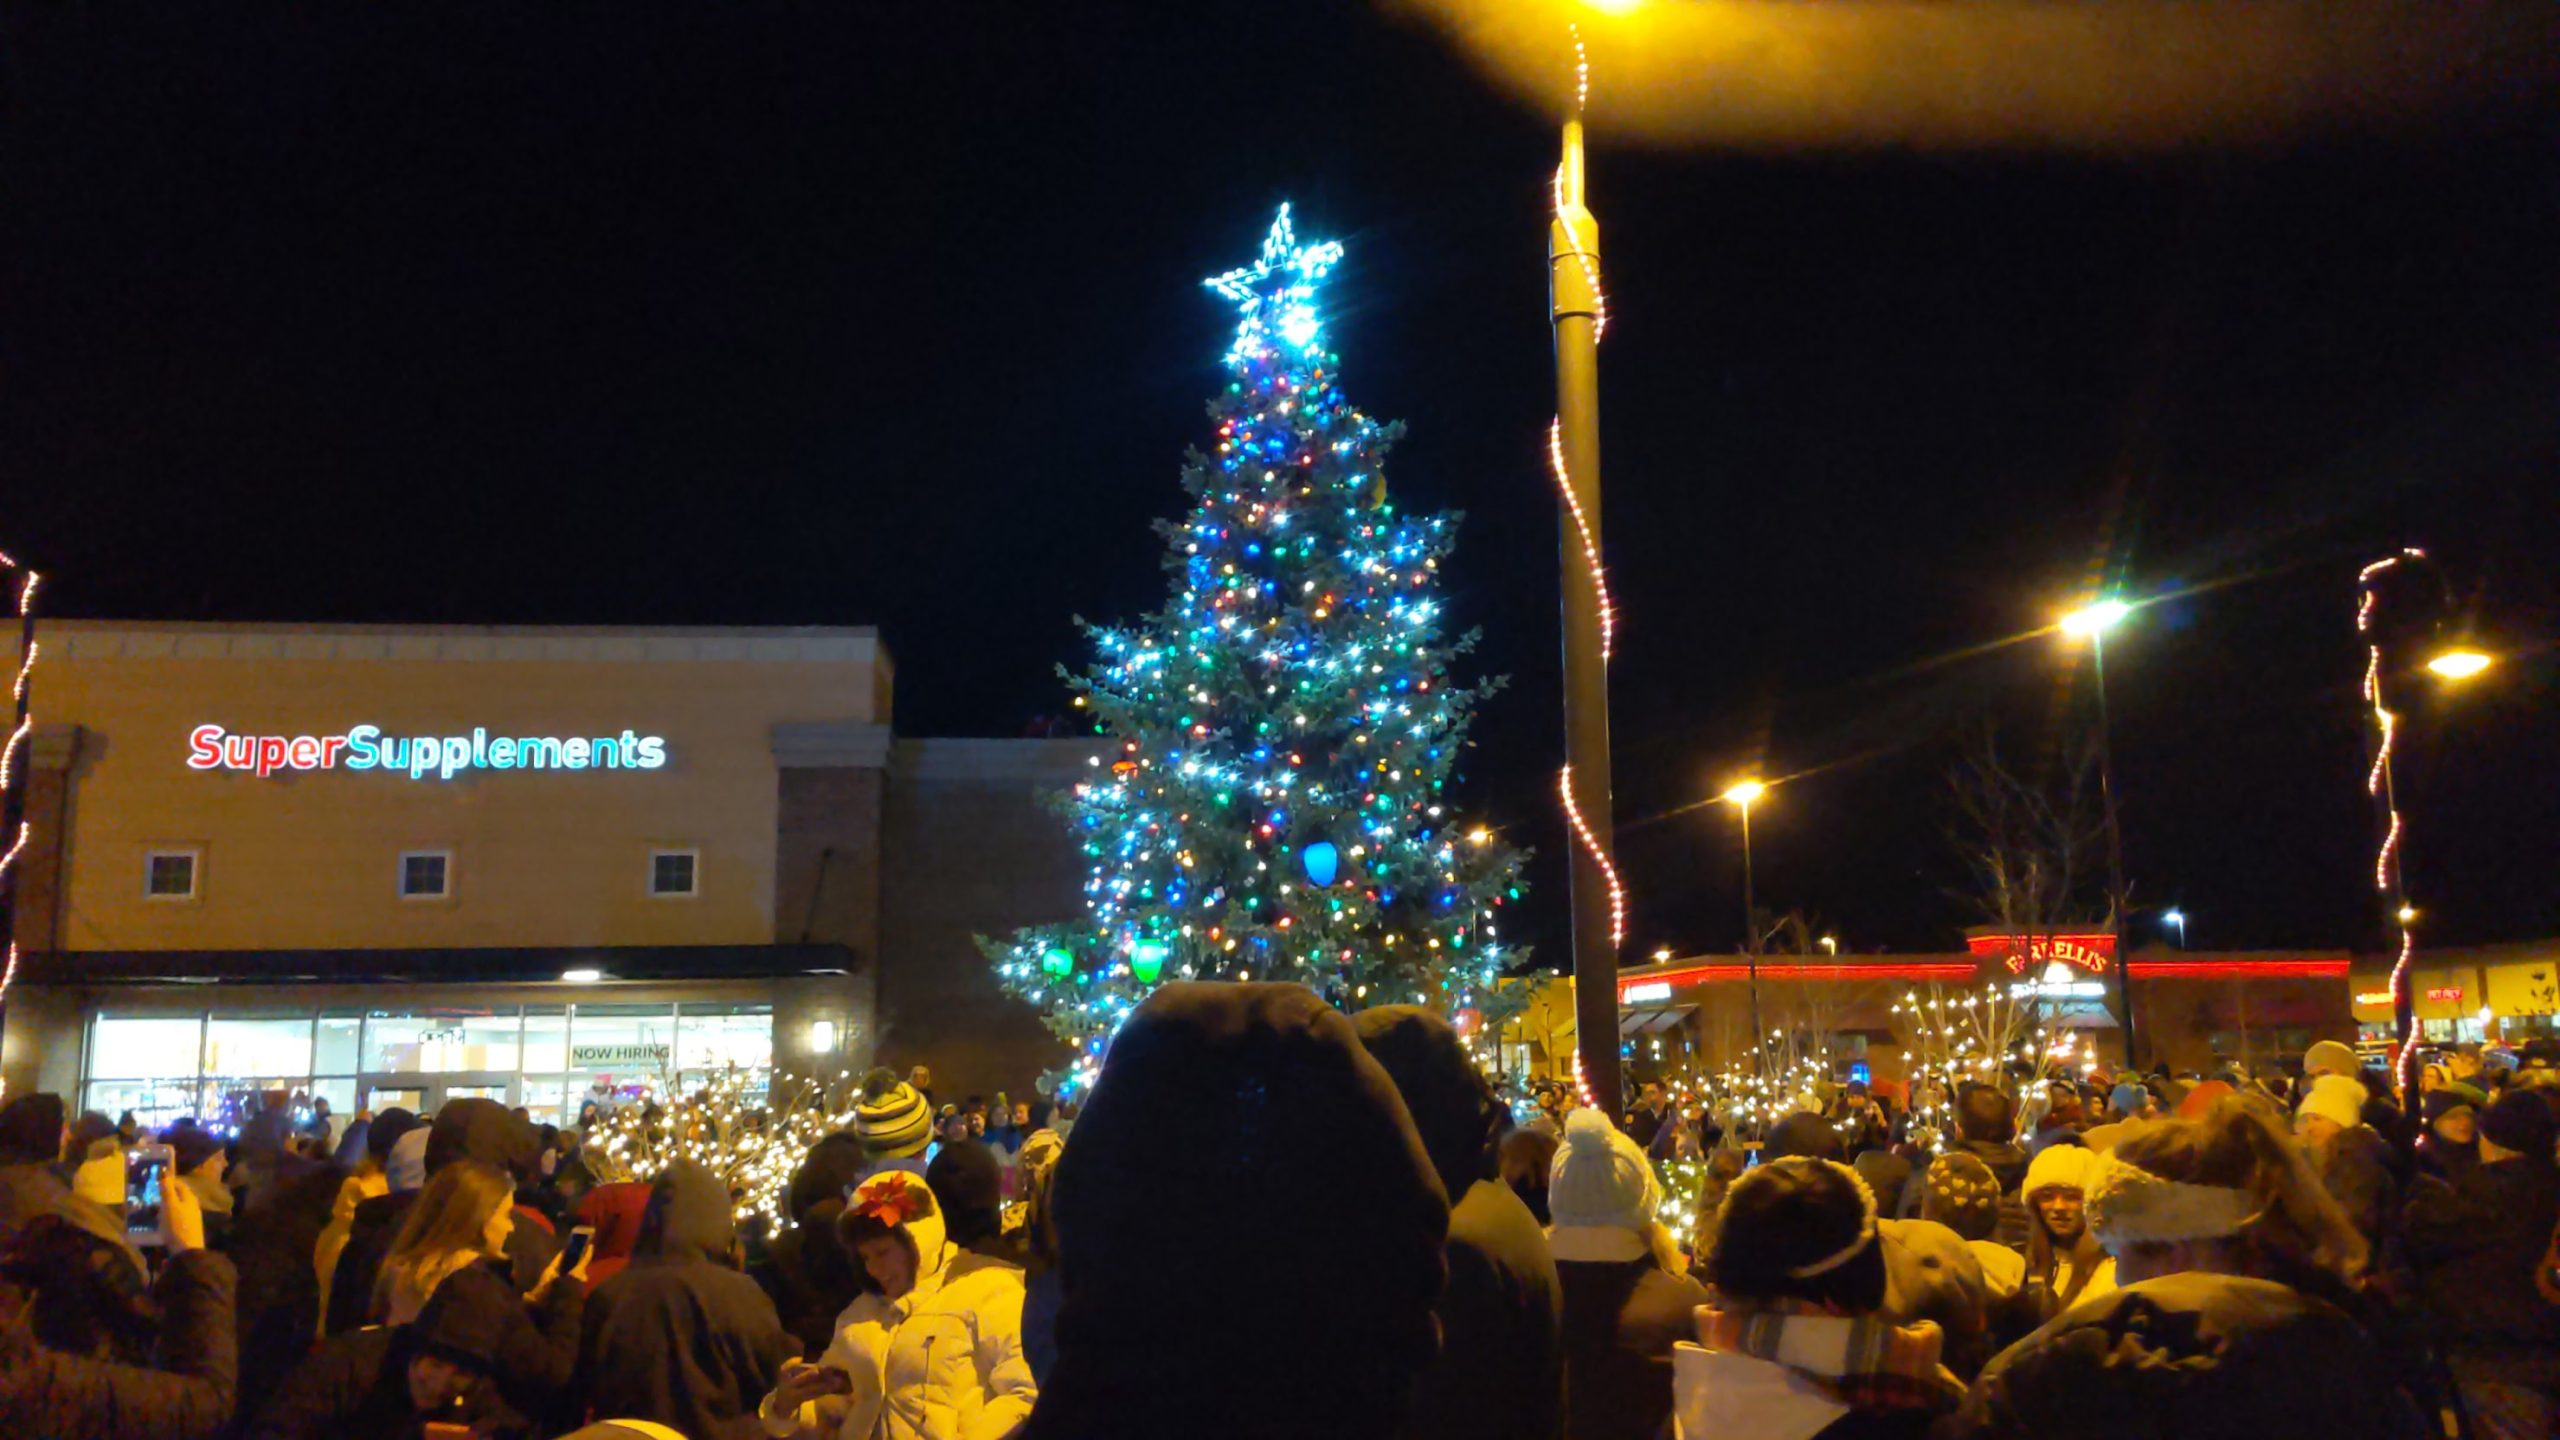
[420, 757]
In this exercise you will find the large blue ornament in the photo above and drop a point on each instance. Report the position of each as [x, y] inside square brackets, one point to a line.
[1323, 863]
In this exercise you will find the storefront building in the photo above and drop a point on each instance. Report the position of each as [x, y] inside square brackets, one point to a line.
[2193, 1010]
[399, 865]
[2498, 994]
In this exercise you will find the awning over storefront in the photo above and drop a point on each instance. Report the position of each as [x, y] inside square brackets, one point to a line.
[1652, 1020]
[445, 966]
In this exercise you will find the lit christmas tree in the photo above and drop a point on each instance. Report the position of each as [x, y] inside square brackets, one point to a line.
[1287, 724]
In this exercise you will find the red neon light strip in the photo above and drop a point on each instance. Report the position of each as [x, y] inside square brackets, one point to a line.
[2239, 969]
[1717, 974]
[1993, 944]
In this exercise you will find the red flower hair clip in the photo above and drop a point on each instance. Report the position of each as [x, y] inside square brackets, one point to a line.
[892, 1204]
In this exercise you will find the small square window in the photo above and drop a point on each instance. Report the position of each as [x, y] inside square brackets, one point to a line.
[671, 872]
[424, 874]
[169, 875]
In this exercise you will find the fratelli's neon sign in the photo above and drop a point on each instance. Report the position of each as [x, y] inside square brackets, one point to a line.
[210, 747]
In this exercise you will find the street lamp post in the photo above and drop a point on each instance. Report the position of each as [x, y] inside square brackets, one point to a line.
[1741, 797]
[2092, 623]
[2177, 918]
[1575, 308]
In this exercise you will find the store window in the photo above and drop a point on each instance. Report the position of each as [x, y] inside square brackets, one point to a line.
[729, 1038]
[671, 872]
[337, 1046]
[169, 875]
[141, 1048]
[441, 1044]
[546, 1039]
[425, 874]
[625, 1051]
[247, 1047]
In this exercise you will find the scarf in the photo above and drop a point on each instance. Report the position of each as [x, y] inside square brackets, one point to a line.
[1863, 1362]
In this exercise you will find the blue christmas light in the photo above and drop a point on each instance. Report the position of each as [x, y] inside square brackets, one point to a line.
[1322, 861]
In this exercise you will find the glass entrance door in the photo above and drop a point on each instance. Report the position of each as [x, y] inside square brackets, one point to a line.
[443, 1090]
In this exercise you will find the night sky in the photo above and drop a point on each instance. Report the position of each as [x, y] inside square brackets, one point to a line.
[754, 314]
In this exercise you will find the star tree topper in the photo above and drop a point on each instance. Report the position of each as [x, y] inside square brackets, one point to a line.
[1276, 293]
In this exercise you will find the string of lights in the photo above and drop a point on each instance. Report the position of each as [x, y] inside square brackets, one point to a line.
[1569, 214]
[12, 780]
[2377, 786]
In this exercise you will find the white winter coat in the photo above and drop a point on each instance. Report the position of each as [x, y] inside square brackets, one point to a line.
[944, 1362]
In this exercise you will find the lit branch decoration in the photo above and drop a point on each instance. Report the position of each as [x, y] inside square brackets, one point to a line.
[744, 1124]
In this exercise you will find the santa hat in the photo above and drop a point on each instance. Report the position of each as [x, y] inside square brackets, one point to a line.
[2331, 1057]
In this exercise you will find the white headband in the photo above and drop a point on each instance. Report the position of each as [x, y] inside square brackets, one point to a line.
[2129, 1205]
[1866, 1230]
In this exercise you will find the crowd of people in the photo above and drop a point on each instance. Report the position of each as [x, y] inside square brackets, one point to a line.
[1272, 1219]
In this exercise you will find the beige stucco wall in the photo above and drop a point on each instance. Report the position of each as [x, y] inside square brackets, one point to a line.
[310, 860]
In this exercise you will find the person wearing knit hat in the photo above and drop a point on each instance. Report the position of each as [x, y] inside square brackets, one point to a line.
[2199, 1343]
[895, 1122]
[1963, 1195]
[2478, 1244]
[1249, 1227]
[2130, 1101]
[2451, 1144]
[2064, 1258]
[1793, 1343]
[1627, 1294]
[1930, 1274]
[2330, 1057]
[2353, 1159]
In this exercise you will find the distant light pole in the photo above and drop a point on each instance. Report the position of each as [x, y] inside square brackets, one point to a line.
[1741, 797]
[2179, 919]
[2091, 623]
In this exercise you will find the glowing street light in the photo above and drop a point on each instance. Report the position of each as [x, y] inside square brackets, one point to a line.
[1741, 796]
[2090, 621]
[2459, 662]
[2179, 919]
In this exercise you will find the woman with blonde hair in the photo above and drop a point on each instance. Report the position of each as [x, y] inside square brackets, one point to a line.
[2235, 1317]
[461, 1219]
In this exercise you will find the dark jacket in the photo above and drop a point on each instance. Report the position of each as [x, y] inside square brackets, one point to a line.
[1931, 1274]
[356, 1385]
[279, 1292]
[1228, 1116]
[1500, 1374]
[1621, 1319]
[474, 1129]
[2194, 1356]
[185, 1394]
[2357, 1174]
[2475, 1243]
[679, 1337]
[29, 1189]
